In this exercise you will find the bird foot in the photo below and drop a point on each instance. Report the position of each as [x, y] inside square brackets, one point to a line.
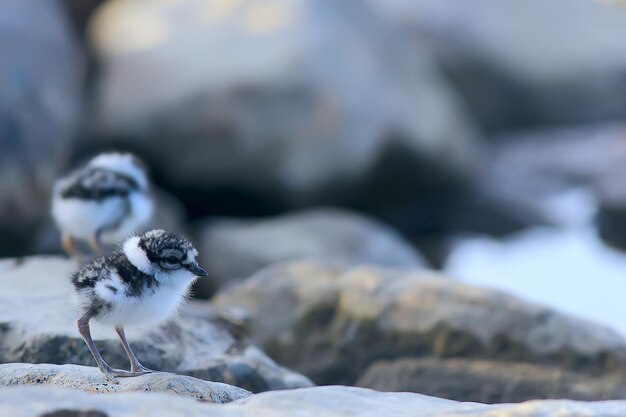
[142, 370]
[114, 373]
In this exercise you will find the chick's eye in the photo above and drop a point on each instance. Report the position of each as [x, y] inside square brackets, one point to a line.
[171, 259]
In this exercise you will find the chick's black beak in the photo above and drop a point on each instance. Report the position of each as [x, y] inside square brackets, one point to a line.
[195, 269]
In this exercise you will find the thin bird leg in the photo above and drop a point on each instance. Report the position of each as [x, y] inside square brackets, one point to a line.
[94, 242]
[68, 245]
[135, 366]
[83, 329]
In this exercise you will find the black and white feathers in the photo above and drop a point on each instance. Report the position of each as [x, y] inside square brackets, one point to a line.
[106, 200]
[143, 282]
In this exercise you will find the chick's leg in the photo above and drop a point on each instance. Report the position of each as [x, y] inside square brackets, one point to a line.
[94, 242]
[67, 241]
[135, 366]
[83, 329]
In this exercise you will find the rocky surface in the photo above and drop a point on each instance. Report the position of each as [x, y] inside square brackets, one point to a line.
[287, 111]
[80, 11]
[233, 249]
[331, 323]
[488, 381]
[197, 343]
[525, 63]
[332, 401]
[548, 162]
[41, 73]
[90, 379]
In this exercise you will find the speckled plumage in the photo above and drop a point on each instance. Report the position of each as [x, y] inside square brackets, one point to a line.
[135, 281]
[105, 200]
[98, 184]
[142, 283]
[121, 280]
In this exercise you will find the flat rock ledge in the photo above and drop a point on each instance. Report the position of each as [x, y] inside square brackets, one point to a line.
[90, 379]
[329, 401]
[332, 322]
[198, 342]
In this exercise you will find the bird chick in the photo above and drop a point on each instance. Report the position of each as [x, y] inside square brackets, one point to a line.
[104, 201]
[142, 283]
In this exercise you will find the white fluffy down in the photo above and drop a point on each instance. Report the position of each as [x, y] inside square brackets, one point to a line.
[122, 163]
[137, 256]
[152, 308]
[82, 218]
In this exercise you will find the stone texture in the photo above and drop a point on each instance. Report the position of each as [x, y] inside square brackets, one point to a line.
[488, 381]
[547, 162]
[90, 379]
[299, 106]
[335, 401]
[331, 323]
[234, 249]
[80, 11]
[197, 343]
[40, 86]
[526, 63]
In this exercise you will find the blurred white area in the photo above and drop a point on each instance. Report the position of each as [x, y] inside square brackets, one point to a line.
[566, 267]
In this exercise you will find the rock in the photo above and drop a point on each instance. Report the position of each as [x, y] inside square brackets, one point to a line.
[40, 87]
[487, 381]
[331, 323]
[546, 163]
[90, 379]
[551, 266]
[298, 109]
[234, 249]
[80, 11]
[490, 50]
[349, 401]
[336, 401]
[197, 343]
[169, 212]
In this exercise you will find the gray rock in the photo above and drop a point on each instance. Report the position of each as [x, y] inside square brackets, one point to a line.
[331, 323]
[234, 249]
[40, 86]
[336, 401]
[90, 379]
[488, 381]
[349, 401]
[80, 11]
[169, 212]
[298, 103]
[526, 63]
[197, 343]
[545, 163]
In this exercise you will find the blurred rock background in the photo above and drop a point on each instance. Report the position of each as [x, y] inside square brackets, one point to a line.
[486, 139]
[407, 110]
